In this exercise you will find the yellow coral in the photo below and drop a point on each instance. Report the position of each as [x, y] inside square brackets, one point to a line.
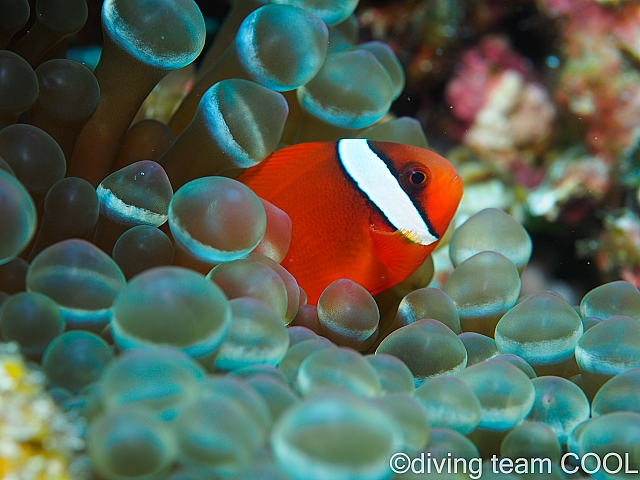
[37, 441]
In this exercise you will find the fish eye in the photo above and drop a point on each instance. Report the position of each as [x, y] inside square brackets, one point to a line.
[414, 178]
[417, 178]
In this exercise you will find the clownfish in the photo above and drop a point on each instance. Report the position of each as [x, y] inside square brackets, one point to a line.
[360, 209]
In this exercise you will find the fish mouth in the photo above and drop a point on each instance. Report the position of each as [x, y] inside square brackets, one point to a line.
[456, 183]
[456, 188]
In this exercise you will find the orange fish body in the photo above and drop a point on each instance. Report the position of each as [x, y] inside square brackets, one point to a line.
[364, 210]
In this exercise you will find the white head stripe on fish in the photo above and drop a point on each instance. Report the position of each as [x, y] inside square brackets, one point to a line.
[374, 179]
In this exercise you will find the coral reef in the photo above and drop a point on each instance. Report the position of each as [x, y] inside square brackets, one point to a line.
[153, 323]
[38, 439]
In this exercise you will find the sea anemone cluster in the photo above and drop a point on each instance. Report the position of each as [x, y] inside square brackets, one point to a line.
[150, 331]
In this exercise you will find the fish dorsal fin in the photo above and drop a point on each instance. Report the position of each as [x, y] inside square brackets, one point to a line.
[398, 251]
[278, 170]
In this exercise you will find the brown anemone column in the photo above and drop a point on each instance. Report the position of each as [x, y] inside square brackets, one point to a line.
[147, 139]
[55, 20]
[69, 96]
[277, 46]
[227, 32]
[237, 125]
[70, 211]
[143, 41]
[352, 90]
[14, 15]
[18, 87]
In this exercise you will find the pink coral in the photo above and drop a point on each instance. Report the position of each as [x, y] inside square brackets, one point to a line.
[479, 70]
[597, 83]
[556, 8]
[507, 115]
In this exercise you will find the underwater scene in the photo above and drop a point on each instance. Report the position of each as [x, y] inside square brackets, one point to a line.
[319, 239]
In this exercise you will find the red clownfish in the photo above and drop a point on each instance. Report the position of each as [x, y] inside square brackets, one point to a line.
[360, 209]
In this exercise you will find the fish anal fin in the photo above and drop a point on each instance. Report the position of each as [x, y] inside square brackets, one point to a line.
[399, 252]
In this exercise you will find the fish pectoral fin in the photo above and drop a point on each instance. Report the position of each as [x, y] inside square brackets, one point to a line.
[399, 251]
